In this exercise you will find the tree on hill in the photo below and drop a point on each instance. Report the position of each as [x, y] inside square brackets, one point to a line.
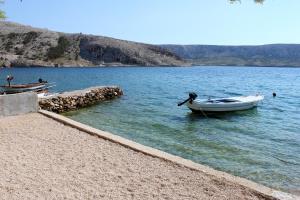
[2, 13]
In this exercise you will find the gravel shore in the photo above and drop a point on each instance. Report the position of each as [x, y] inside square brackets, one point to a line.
[44, 159]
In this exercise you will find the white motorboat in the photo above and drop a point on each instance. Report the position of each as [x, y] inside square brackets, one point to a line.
[222, 104]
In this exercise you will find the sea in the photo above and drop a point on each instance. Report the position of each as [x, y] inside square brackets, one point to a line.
[261, 144]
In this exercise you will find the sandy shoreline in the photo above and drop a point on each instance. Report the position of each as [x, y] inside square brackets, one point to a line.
[42, 158]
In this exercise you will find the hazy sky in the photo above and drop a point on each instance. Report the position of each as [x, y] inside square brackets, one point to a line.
[166, 21]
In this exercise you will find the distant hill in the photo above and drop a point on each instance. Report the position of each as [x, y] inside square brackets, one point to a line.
[27, 46]
[264, 55]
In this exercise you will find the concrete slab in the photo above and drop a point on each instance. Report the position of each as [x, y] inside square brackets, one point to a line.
[17, 104]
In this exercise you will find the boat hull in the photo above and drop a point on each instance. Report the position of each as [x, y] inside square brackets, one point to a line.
[237, 104]
[20, 88]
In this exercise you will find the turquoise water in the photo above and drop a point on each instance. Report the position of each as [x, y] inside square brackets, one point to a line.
[262, 144]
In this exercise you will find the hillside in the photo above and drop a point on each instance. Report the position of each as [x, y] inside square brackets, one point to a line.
[27, 46]
[264, 55]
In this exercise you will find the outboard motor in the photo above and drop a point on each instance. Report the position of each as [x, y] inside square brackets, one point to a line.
[192, 97]
[42, 81]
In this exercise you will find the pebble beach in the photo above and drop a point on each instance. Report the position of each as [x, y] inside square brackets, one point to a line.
[44, 159]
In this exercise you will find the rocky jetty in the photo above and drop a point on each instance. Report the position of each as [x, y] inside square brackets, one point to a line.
[74, 100]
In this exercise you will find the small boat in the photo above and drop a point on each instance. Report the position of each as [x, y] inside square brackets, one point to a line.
[222, 104]
[41, 85]
[10, 89]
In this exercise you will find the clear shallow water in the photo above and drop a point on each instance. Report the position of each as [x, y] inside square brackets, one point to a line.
[262, 144]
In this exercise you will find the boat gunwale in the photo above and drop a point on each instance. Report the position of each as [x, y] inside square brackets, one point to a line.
[235, 100]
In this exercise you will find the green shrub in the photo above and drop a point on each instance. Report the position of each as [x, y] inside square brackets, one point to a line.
[59, 50]
[8, 45]
[12, 36]
[30, 36]
[19, 51]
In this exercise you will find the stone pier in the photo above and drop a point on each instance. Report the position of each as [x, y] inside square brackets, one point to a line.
[74, 100]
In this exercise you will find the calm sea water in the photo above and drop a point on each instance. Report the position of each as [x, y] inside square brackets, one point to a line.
[262, 144]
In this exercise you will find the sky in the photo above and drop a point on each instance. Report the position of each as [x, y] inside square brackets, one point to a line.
[214, 22]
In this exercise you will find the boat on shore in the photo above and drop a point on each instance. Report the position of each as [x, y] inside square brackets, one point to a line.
[222, 104]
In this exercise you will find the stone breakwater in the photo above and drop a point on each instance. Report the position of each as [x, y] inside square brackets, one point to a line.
[74, 100]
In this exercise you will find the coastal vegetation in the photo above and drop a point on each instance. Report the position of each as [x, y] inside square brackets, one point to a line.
[58, 51]
[29, 37]
[2, 13]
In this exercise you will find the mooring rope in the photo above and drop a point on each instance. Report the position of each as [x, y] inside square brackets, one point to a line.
[203, 113]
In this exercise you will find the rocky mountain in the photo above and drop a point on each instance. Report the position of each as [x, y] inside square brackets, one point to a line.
[264, 55]
[27, 46]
